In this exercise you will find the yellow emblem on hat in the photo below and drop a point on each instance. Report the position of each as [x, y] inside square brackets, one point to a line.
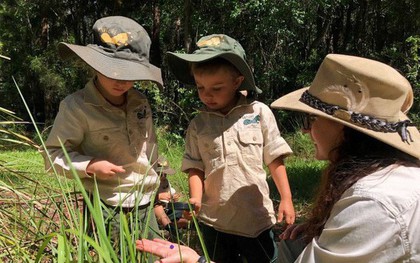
[214, 41]
[119, 40]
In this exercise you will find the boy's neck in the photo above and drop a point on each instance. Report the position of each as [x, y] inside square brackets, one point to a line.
[231, 105]
[114, 101]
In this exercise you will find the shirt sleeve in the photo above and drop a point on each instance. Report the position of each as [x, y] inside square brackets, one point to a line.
[274, 144]
[358, 230]
[192, 157]
[68, 130]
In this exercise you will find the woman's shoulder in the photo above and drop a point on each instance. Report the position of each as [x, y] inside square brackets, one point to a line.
[393, 176]
[395, 187]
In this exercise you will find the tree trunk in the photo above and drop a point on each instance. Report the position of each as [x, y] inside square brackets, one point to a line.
[187, 26]
[155, 53]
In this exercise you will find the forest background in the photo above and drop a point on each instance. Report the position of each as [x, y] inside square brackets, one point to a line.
[285, 42]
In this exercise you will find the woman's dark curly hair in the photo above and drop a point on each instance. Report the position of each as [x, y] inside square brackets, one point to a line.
[356, 157]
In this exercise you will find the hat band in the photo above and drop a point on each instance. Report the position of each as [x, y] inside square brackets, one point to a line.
[121, 54]
[212, 50]
[359, 119]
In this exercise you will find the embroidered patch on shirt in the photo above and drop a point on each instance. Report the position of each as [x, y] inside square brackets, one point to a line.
[256, 119]
[141, 113]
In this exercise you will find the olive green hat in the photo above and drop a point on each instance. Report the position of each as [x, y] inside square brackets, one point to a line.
[210, 47]
[163, 167]
[120, 50]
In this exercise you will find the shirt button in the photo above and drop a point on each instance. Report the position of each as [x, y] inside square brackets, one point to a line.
[254, 138]
[229, 143]
[106, 138]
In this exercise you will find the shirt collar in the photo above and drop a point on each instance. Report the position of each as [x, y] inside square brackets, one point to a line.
[94, 97]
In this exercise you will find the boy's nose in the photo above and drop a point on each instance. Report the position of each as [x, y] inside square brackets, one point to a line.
[125, 83]
[207, 94]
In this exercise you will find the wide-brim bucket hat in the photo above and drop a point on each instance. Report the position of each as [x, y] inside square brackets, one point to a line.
[363, 94]
[120, 50]
[210, 47]
[163, 167]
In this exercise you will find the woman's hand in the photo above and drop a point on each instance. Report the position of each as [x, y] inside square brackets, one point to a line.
[292, 231]
[167, 251]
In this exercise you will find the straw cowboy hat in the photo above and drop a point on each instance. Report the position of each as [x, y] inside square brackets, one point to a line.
[363, 94]
[120, 51]
[210, 47]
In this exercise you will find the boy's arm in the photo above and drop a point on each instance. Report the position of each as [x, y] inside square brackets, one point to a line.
[68, 130]
[161, 216]
[196, 183]
[279, 175]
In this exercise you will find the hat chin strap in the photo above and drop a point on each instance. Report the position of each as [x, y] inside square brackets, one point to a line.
[360, 119]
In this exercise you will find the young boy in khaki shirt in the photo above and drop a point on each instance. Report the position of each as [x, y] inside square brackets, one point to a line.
[107, 127]
[227, 145]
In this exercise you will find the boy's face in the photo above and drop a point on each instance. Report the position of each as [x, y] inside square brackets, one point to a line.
[113, 87]
[217, 89]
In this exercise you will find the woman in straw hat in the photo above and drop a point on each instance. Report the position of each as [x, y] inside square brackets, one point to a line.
[106, 128]
[368, 205]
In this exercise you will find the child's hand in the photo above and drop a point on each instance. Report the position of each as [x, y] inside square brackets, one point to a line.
[103, 169]
[287, 211]
[197, 207]
[197, 203]
[164, 196]
[176, 197]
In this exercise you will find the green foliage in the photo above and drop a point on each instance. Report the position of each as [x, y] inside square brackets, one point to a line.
[12, 130]
[413, 75]
[285, 42]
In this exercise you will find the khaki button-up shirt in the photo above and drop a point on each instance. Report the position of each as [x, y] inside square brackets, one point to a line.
[375, 220]
[89, 127]
[232, 149]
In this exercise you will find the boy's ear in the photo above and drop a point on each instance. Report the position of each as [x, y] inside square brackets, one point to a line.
[238, 81]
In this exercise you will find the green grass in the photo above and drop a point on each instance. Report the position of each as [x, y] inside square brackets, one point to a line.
[25, 169]
[172, 148]
[41, 217]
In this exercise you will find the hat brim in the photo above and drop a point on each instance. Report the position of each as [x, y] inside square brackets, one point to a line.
[291, 102]
[114, 68]
[179, 64]
[165, 170]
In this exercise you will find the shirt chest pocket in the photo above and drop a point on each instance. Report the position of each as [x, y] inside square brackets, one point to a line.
[253, 136]
[104, 141]
[251, 142]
